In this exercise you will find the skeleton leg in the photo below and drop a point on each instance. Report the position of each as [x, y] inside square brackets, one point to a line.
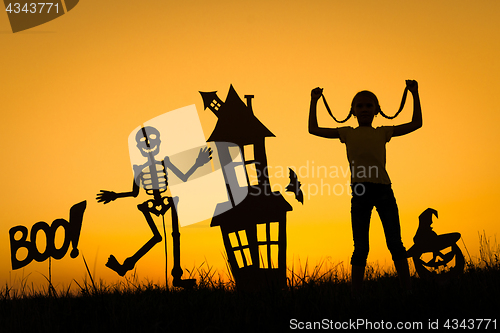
[130, 262]
[176, 241]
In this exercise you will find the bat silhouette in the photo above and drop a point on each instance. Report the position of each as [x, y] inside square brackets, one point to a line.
[294, 187]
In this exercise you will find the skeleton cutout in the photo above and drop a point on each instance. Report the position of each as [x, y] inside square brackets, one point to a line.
[435, 256]
[153, 177]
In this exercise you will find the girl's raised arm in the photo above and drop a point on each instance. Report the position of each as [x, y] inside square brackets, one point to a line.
[416, 120]
[330, 133]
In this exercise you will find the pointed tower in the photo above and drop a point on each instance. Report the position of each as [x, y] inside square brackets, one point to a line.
[237, 124]
[211, 101]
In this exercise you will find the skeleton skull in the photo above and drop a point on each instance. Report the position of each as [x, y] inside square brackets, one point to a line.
[148, 141]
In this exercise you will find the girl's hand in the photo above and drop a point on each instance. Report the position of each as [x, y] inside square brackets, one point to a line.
[412, 85]
[316, 93]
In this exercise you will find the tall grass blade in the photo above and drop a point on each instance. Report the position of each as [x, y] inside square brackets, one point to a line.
[90, 275]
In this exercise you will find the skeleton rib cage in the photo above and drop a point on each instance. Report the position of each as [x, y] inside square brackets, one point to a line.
[156, 180]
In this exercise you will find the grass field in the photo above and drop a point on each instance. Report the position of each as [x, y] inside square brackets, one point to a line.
[320, 295]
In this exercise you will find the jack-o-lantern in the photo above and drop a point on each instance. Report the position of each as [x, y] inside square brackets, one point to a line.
[435, 256]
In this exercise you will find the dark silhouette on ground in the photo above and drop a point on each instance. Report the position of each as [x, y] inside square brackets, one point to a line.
[153, 177]
[366, 151]
[427, 241]
[72, 231]
[253, 231]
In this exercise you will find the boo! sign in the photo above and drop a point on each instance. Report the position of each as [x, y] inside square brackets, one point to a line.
[71, 235]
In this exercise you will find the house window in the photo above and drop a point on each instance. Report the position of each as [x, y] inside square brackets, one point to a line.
[263, 229]
[250, 164]
[235, 153]
[267, 239]
[248, 151]
[215, 105]
[268, 256]
[241, 176]
[253, 179]
[240, 247]
[236, 156]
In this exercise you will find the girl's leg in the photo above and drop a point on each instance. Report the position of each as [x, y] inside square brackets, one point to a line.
[360, 218]
[357, 275]
[389, 215]
[403, 273]
[361, 209]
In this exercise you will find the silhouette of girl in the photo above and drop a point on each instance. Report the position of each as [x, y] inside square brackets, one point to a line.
[370, 183]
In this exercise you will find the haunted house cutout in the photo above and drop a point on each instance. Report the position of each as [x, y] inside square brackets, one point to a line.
[253, 231]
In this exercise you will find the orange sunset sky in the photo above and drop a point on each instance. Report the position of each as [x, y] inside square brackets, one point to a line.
[73, 89]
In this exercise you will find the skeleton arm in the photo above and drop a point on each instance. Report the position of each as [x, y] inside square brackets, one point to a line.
[108, 196]
[203, 157]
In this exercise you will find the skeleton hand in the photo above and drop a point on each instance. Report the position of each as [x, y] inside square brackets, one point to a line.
[204, 156]
[106, 196]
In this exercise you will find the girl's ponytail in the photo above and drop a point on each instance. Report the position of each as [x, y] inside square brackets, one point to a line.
[403, 101]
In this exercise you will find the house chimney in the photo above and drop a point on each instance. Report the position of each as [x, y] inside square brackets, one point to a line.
[249, 102]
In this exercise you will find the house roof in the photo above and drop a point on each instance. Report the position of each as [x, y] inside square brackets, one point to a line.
[254, 209]
[236, 122]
